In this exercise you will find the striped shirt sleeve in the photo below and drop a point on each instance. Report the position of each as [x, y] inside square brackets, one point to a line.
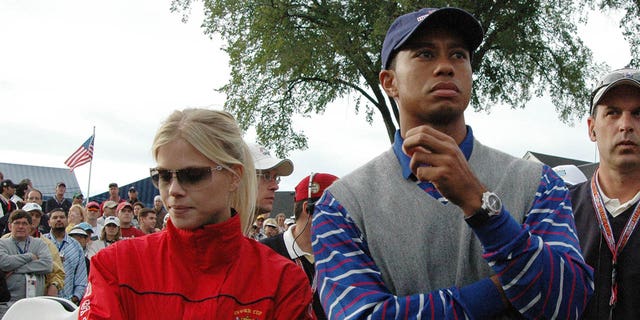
[538, 263]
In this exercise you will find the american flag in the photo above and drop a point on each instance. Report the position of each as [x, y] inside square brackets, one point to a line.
[83, 155]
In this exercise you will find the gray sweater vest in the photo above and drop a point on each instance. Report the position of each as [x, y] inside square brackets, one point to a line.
[418, 243]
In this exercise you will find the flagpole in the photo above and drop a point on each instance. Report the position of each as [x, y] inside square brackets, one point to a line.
[90, 165]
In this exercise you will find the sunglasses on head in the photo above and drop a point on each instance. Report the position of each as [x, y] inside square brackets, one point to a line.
[622, 74]
[188, 178]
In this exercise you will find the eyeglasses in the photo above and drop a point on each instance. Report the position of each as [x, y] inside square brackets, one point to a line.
[617, 75]
[189, 178]
[267, 177]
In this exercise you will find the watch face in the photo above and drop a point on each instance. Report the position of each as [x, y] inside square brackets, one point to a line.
[493, 203]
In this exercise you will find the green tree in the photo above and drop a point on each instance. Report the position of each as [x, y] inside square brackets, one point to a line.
[294, 57]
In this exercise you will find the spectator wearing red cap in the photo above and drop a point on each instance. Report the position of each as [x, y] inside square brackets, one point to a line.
[125, 214]
[295, 242]
[93, 213]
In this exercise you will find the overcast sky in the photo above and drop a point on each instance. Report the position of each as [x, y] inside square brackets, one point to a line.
[124, 66]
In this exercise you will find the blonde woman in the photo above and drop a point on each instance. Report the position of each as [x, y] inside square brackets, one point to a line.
[75, 216]
[207, 182]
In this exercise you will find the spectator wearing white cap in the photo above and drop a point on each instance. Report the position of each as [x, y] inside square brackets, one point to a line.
[108, 210]
[109, 235]
[83, 239]
[35, 196]
[269, 170]
[270, 228]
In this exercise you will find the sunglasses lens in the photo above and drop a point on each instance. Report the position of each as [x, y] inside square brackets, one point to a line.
[187, 177]
[192, 176]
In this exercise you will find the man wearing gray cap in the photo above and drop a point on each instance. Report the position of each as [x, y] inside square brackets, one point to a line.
[440, 226]
[607, 206]
[269, 171]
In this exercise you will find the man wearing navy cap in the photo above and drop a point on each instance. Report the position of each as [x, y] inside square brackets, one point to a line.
[295, 242]
[441, 226]
[607, 206]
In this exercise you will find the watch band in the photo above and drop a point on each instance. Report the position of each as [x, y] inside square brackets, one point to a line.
[478, 218]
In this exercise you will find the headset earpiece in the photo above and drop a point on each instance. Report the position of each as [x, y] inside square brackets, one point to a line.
[310, 203]
[310, 207]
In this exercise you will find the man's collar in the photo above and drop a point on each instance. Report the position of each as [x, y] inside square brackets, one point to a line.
[293, 248]
[466, 146]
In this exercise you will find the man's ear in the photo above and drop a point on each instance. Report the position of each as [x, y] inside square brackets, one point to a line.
[388, 82]
[591, 128]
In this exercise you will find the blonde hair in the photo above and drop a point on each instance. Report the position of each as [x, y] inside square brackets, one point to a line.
[81, 209]
[103, 233]
[217, 136]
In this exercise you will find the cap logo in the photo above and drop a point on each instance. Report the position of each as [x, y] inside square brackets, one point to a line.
[424, 16]
[315, 187]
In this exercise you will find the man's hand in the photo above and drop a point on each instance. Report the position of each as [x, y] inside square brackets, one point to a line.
[435, 157]
[35, 256]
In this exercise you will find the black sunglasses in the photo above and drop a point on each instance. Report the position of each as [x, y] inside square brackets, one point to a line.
[189, 178]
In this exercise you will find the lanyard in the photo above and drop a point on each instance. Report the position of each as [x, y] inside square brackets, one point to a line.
[607, 233]
[26, 246]
[54, 240]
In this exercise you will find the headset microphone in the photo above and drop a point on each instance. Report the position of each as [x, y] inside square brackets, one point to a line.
[310, 203]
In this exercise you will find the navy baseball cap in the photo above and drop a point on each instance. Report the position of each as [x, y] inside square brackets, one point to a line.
[406, 25]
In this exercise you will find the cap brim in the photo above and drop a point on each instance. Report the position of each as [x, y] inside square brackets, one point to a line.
[282, 167]
[601, 92]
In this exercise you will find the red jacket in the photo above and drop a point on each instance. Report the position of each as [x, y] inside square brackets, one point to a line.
[210, 273]
[131, 232]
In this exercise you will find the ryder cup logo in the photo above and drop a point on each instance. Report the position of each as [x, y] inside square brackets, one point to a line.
[424, 16]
